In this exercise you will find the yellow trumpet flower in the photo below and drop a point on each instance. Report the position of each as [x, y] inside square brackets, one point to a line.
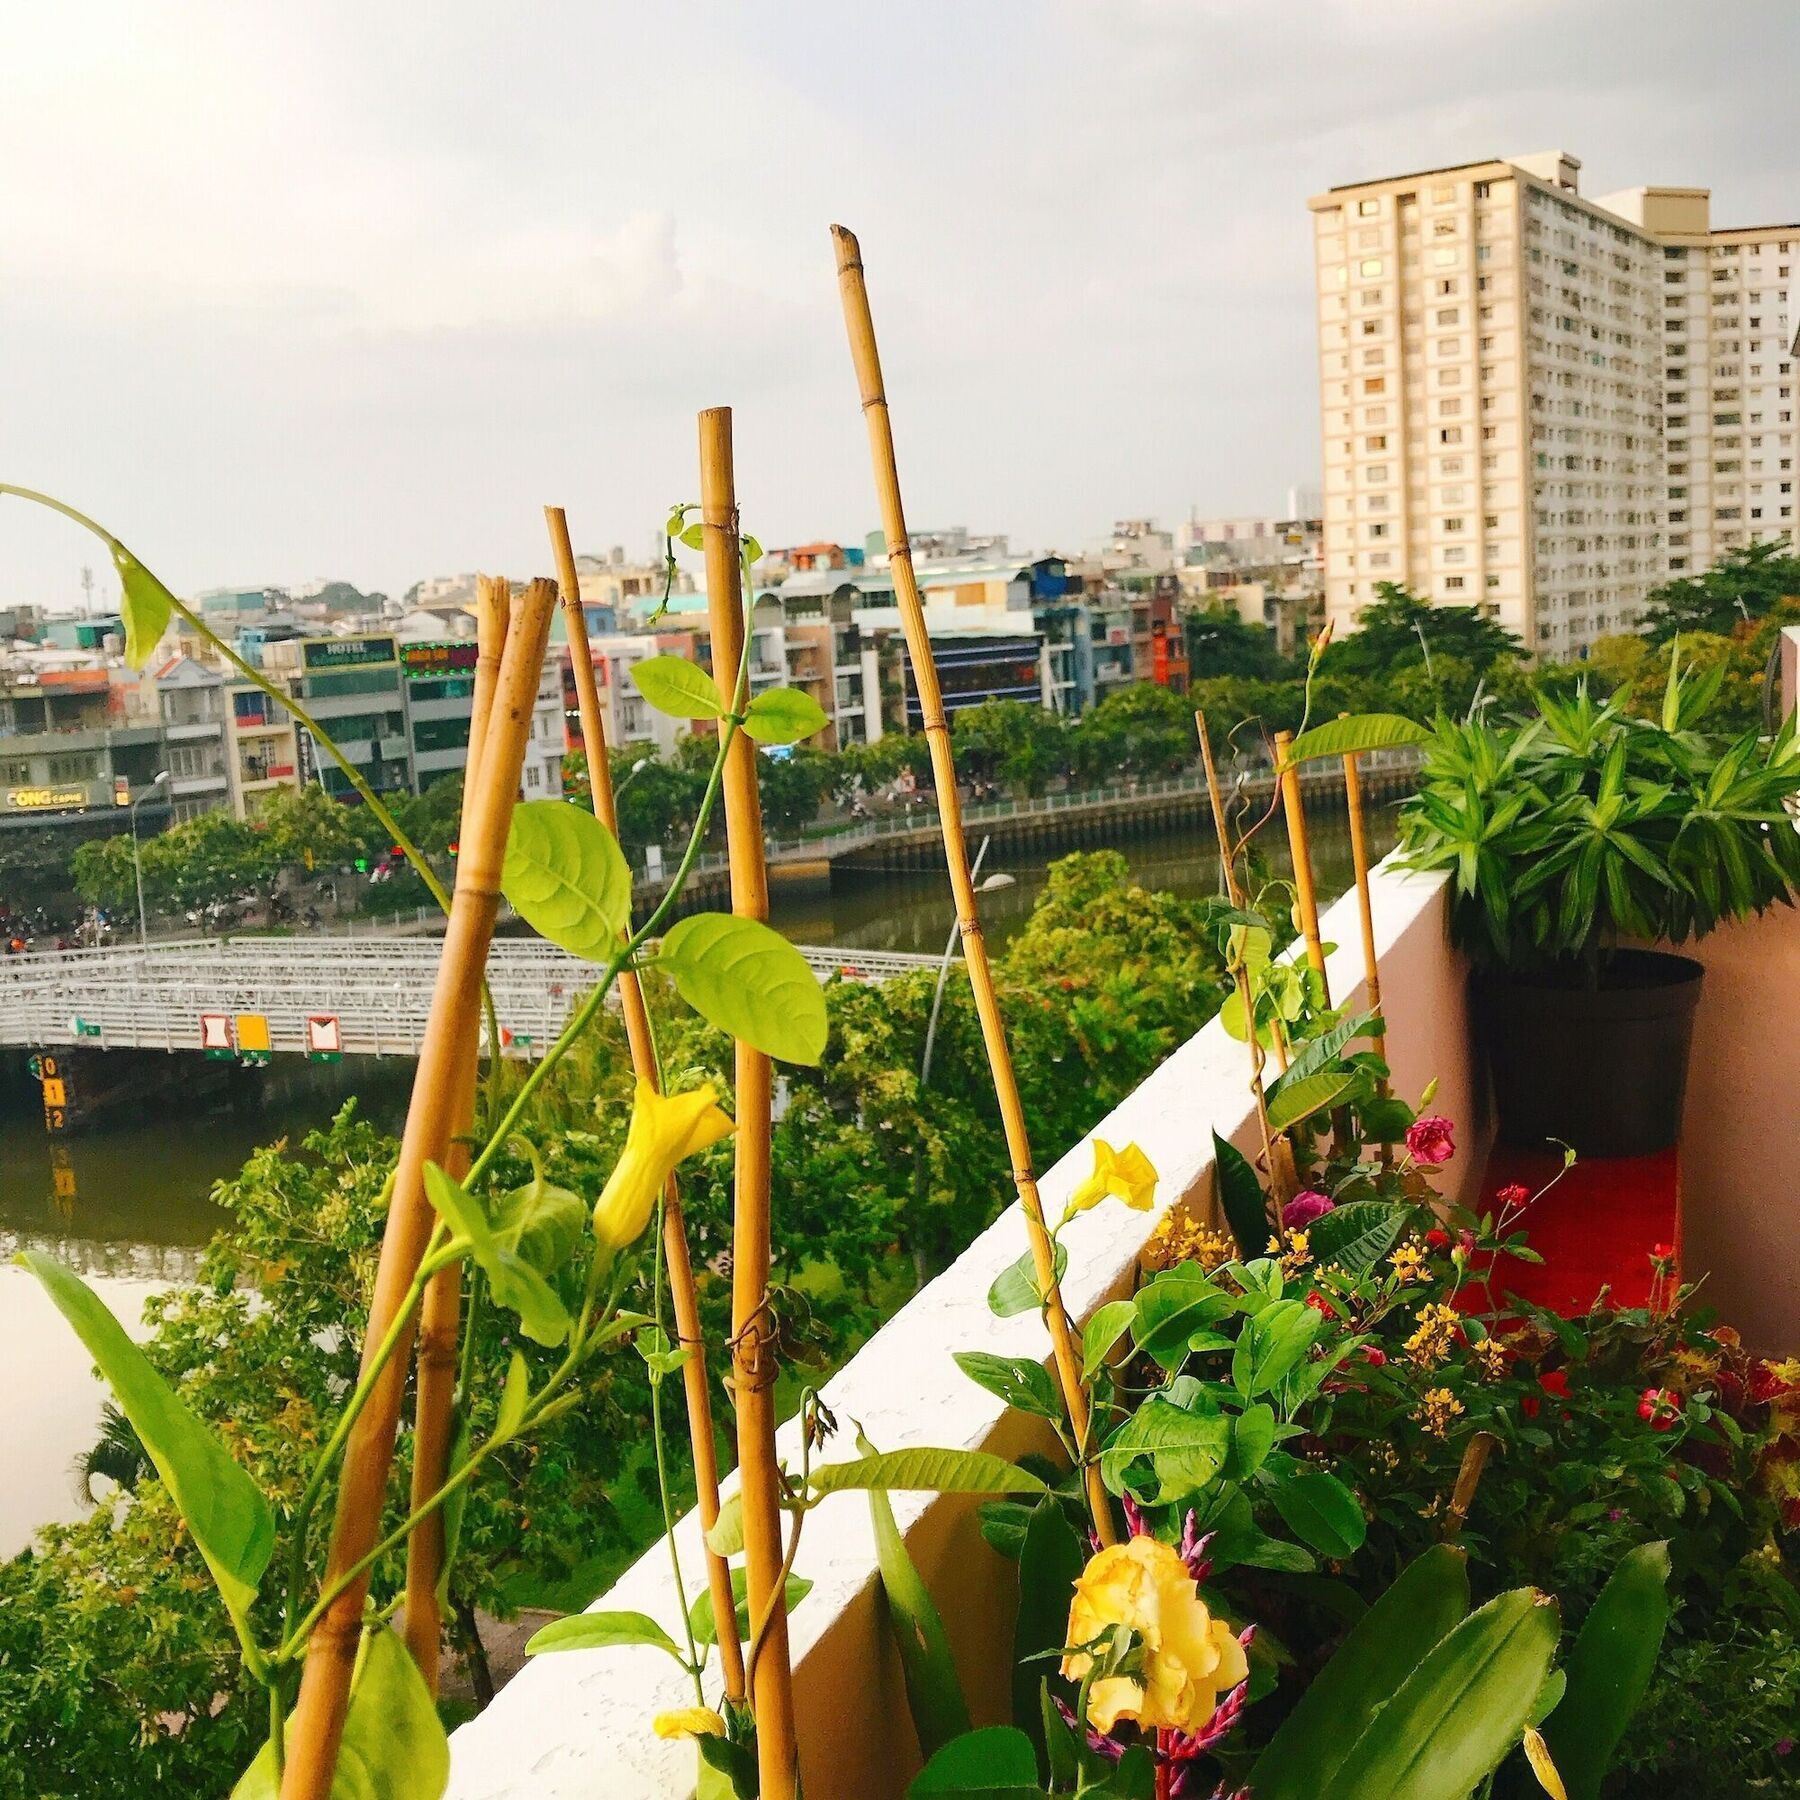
[665, 1128]
[1127, 1174]
[689, 1722]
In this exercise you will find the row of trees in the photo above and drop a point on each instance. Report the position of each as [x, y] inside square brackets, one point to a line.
[118, 1672]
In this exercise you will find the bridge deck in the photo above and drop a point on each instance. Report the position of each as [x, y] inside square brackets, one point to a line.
[378, 990]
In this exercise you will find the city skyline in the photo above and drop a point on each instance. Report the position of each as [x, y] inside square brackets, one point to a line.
[389, 338]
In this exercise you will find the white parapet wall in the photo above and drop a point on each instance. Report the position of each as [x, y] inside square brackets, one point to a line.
[577, 1726]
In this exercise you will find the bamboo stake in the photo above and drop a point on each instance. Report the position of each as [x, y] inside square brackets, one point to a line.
[754, 1350]
[867, 358]
[1468, 1478]
[318, 1722]
[1278, 1156]
[440, 1313]
[682, 1294]
[1306, 896]
[1359, 857]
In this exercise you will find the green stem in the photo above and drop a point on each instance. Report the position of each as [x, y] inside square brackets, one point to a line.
[662, 1461]
[277, 1728]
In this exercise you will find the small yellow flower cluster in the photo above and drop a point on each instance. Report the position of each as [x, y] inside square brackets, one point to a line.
[1178, 1239]
[1408, 1260]
[1490, 1357]
[1293, 1249]
[1387, 1457]
[1437, 1409]
[1431, 1340]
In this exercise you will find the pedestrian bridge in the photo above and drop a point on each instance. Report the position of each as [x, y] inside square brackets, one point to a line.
[252, 997]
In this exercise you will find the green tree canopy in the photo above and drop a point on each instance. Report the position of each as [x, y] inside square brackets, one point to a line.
[1221, 643]
[1741, 587]
[1388, 637]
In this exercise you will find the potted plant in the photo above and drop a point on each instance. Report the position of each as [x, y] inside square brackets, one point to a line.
[1579, 839]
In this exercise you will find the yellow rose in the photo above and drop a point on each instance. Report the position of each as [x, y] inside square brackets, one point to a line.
[664, 1129]
[689, 1722]
[1189, 1657]
[1127, 1174]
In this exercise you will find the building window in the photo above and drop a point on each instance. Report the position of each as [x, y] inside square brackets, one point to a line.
[1376, 384]
[1370, 265]
[1367, 209]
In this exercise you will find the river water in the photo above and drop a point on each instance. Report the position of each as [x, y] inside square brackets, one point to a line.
[127, 1202]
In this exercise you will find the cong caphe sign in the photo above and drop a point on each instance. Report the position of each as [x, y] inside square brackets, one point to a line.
[49, 799]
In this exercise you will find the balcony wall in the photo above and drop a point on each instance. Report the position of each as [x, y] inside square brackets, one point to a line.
[577, 1727]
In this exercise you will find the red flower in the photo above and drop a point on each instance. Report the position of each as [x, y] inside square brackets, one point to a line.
[1431, 1139]
[1438, 1239]
[1555, 1382]
[1320, 1305]
[1528, 1405]
[1515, 1193]
[1659, 1408]
[1662, 1255]
[1374, 1356]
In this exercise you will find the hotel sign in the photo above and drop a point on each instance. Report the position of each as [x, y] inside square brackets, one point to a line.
[347, 652]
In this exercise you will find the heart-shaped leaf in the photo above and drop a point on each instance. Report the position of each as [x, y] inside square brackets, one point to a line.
[542, 1222]
[1015, 1289]
[231, 1521]
[700, 1615]
[744, 978]
[784, 716]
[675, 686]
[146, 606]
[1023, 1384]
[567, 878]
[512, 1281]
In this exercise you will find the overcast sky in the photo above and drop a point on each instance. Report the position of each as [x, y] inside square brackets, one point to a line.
[352, 289]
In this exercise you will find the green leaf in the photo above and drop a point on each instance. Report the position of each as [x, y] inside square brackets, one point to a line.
[1186, 1445]
[1020, 1382]
[514, 1397]
[1240, 1198]
[600, 1631]
[512, 1281]
[542, 1222]
[995, 1763]
[726, 1538]
[1319, 1510]
[1357, 1234]
[727, 1769]
[1015, 1288]
[1171, 1307]
[1460, 1711]
[679, 688]
[1109, 1323]
[1050, 1559]
[694, 536]
[232, 1524]
[744, 978]
[1361, 731]
[1272, 1342]
[933, 1470]
[1382, 1648]
[394, 1747]
[567, 878]
[1609, 1669]
[784, 716]
[1385, 1120]
[1316, 1053]
[1252, 1438]
[146, 606]
[1301, 1099]
[934, 1693]
[700, 1615]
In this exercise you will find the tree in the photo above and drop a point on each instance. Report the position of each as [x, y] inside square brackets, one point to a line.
[104, 873]
[1143, 729]
[306, 823]
[1741, 587]
[1221, 643]
[1395, 629]
[793, 787]
[1013, 741]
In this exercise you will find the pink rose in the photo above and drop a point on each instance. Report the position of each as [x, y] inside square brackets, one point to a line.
[1307, 1205]
[1430, 1140]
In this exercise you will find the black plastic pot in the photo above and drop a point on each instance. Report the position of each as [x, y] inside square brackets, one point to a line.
[1601, 1069]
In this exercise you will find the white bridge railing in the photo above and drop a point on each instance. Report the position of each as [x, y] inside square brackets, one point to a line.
[377, 990]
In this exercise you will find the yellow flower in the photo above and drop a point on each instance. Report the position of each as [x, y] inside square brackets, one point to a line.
[1437, 1409]
[1430, 1343]
[1408, 1261]
[1127, 1174]
[1189, 1657]
[689, 1722]
[664, 1129]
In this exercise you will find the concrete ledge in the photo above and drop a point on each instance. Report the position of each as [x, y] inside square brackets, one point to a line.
[577, 1727]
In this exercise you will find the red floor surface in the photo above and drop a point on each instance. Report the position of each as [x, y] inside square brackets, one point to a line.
[1594, 1228]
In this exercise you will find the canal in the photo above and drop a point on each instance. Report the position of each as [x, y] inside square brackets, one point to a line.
[128, 1201]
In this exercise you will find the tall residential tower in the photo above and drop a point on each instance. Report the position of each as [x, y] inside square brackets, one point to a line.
[1544, 405]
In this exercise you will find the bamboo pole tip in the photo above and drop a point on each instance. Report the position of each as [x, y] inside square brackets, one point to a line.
[715, 418]
[556, 515]
[848, 249]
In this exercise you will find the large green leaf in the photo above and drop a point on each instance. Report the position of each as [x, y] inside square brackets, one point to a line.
[232, 1524]
[1108, 1324]
[1427, 1598]
[1241, 1198]
[995, 1763]
[1319, 1510]
[1015, 1289]
[394, 1747]
[567, 878]
[1191, 1444]
[1171, 1307]
[1050, 1559]
[146, 606]
[542, 1222]
[512, 1281]
[1022, 1383]
[1299, 1100]
[1609, 1669]
[1361, 731]
[938, 1471]
[679, 688]
[600, 1631]
[700, 1614]
[934, 1693]
[1273, 1341]
[1460, 1711]
[784, 716]
[750, 981]
[1357, 1234]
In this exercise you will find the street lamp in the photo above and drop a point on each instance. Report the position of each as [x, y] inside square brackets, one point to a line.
[999, 879]
[160, 779]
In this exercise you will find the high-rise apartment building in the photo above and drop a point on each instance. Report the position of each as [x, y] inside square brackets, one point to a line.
[1545, 405]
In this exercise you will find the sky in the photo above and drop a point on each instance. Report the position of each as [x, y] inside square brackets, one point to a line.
[351, 291]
